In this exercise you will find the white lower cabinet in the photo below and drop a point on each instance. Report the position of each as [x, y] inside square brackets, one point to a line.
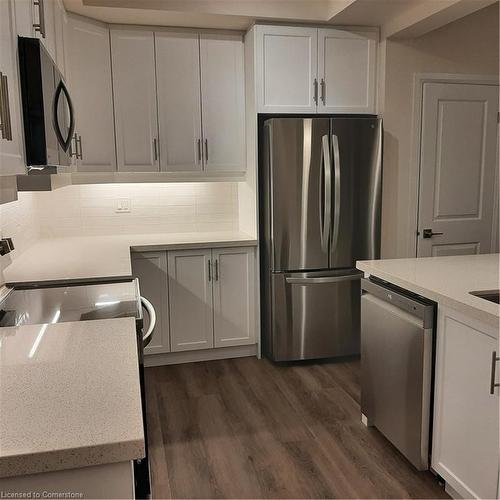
[151, 269]
[234, 296]
[204, 298]
[190, 299]
[465, 436]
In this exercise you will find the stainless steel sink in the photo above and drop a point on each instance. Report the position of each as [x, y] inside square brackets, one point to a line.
[490, 295]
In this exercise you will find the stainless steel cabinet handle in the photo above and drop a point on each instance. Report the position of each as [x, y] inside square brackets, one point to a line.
[40, 26]
[209, 270]
[494, 359]
[315, 96]
[155, 149]
[336, 188]
[5, 123]
[199, 150]
[216, 269]
[322, 279]
[323, 91]
[79, 155]
[326, 184]
[206, 150]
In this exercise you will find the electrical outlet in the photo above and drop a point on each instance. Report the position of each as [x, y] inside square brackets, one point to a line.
[122, 206]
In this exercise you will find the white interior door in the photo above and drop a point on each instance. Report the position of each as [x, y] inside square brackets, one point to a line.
[89, 72]
[346, 71]
[223, 102]
[286, 69]
[134, 87]
[179, 105]
[457, 169]
[234, 296]
[190, 299]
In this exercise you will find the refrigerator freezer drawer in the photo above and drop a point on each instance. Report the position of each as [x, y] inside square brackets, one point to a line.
[315, 315]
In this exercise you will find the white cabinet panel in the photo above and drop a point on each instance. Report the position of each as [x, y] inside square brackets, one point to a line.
[190, 299]
[151, 269]
[11, 139]
[179, 108]
[45, 15]
[346, 71]
[223, 102]
[465, 436]
[24, 17]
[89, 71]
[286, 69]
[234, 296]
[134, 86]
[59, 22]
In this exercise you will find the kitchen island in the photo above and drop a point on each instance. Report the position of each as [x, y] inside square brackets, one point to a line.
[465, 414]
[71, 417]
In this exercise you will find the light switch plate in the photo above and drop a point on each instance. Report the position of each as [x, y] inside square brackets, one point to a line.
[122, 206]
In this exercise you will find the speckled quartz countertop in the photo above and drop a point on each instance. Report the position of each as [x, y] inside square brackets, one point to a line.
[103, 257]
[446, 280]
[69, 396]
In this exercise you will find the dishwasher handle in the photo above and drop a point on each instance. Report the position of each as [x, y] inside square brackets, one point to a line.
[419, 307]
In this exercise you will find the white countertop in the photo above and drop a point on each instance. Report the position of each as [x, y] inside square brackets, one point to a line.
[446, 280]
[99, 257]
[69, 396]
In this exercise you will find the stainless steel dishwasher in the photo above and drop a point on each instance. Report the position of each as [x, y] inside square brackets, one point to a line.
[397, 330]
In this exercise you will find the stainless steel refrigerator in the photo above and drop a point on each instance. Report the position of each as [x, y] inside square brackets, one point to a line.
[320, 199]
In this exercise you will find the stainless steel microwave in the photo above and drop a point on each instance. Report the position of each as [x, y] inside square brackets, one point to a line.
[48, 115]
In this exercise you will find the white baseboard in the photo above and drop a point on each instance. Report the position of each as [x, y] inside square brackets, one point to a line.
[173, 358]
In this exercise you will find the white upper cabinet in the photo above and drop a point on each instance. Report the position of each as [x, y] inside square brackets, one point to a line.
[89, 72]
[286, 69]
[179, 108]
[11, 139]
[311, 70]
[223, 102]
[25, 12]
[60, 20]
[134, 86]
[346, 71]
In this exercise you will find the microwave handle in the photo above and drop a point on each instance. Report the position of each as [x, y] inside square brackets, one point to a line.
[64, 143]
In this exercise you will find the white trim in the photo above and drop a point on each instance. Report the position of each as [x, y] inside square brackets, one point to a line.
[174, 358]
[416, 136]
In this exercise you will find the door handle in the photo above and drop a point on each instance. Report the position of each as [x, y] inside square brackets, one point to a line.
[5, 123]
[155, 149]
[209, 270]
[199, 150]
[216, 269]
[315, 96]
[494, 359]
[40, 26]
[322, 279]
[323, 91]
[428, 233]
[336, 187]
[206, 150]
[326, 186]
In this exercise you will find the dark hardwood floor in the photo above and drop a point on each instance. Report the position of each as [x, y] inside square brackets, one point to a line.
[246, 428]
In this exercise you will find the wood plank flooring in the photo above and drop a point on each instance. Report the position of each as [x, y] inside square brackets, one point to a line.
[246, 428]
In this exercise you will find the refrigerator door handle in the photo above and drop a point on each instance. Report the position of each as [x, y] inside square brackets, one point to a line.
[325, 185]
[336, 187]
[322, 279]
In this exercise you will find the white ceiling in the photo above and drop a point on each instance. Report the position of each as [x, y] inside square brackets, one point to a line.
[393, 16]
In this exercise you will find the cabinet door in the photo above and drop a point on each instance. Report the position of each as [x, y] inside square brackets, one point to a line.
[151, 269]
[223, 102]
[179, 108]
[234, 296]
[45, 15]
[89, 71]
[346, 71]
[11, 142]
[286, 69]
[465, 436]
[24, 17]
[190, 299]
[134, 87]
[60, 21]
